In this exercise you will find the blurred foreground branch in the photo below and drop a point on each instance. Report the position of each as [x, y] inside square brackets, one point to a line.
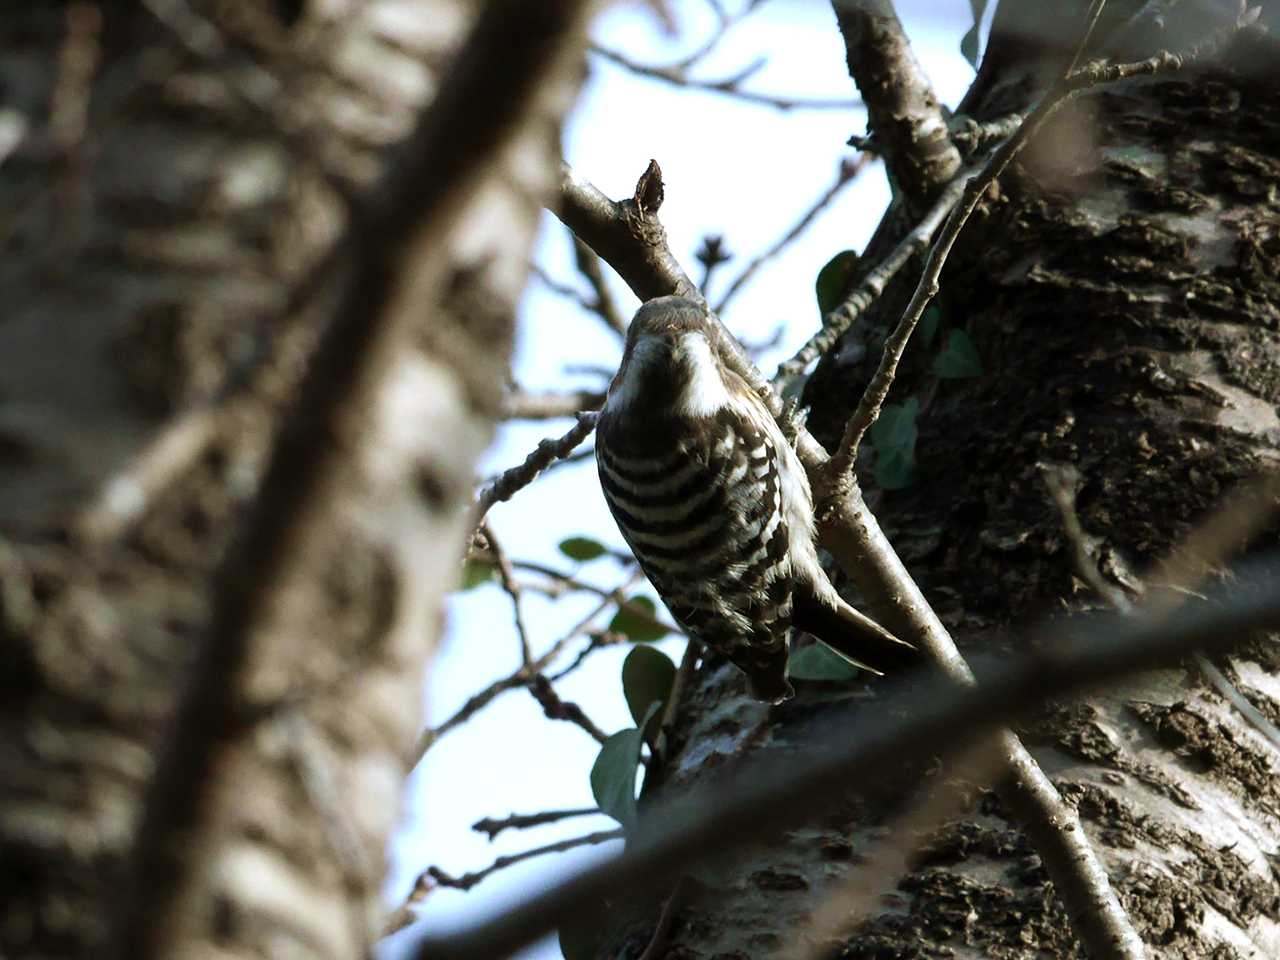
[764, 798]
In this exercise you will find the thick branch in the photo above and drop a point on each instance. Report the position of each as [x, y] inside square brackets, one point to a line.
[904, 112]
[628, 237]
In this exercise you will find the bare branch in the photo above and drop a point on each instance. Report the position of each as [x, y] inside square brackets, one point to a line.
[605, 306]
[521, 677]
[678, 75]
[764, 798]
[506, 577]
[839, 320]
[439, 878]
[555, 708]
[848, 170]
[902, 108]
[505, 486]
[523, 821]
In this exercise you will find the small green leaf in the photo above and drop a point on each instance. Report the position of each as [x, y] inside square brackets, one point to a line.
[647, 676]
[476, 572]
[958, 359]
[929, 324]
[613, 775]
[636, 628]
[819, 662]
[582, 549]
[832, 280]
[894, 439]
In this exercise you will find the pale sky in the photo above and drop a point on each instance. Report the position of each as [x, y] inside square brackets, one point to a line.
[744, 171]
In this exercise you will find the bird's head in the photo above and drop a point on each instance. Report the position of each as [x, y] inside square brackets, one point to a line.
[671, 363]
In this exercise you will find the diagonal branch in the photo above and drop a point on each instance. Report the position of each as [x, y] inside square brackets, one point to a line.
[839, 320]
[771, 796]
[510, 482]
[848, 170]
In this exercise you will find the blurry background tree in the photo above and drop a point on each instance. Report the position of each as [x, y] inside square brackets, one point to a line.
[262, 267]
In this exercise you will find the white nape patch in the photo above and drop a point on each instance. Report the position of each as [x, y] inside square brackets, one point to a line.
[705, 392]
[628, 386]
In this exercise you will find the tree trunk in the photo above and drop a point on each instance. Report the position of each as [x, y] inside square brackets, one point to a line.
[1122, 293]
[177, 174]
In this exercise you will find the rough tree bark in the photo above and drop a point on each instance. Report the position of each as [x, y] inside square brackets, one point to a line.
[174, 173]
[1122, 291]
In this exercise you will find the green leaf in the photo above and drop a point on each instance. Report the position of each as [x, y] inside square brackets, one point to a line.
[647, 677]
[958, 359]
[832, 280]
[969, 42]
[636, 628]
[582, 549]
[894, 439]
[819, 662]
[929, 324]
[476, 572]
[613, 775]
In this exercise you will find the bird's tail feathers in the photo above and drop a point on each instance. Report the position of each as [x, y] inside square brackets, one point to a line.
[854, 636]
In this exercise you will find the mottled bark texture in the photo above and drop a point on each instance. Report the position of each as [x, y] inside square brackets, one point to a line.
[171, 191]
[1121, 289]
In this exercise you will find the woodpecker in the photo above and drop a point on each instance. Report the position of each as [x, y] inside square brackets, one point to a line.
[714, 503]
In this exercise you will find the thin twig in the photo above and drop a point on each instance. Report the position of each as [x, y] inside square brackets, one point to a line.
[839, 320]
[510, 482]
[469, 880]
[512, 681]
[556, 708]
[713, 254]
[727, 86]
[598, 640]
[604, 305]
[506, 577]
[849, 169]
[523, 821]
[615, 594]
[768, 796]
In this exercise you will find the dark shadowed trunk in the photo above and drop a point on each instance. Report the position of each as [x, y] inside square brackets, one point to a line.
[1121, 289]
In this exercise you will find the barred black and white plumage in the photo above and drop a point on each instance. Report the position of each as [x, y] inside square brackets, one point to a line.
[716, 506]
